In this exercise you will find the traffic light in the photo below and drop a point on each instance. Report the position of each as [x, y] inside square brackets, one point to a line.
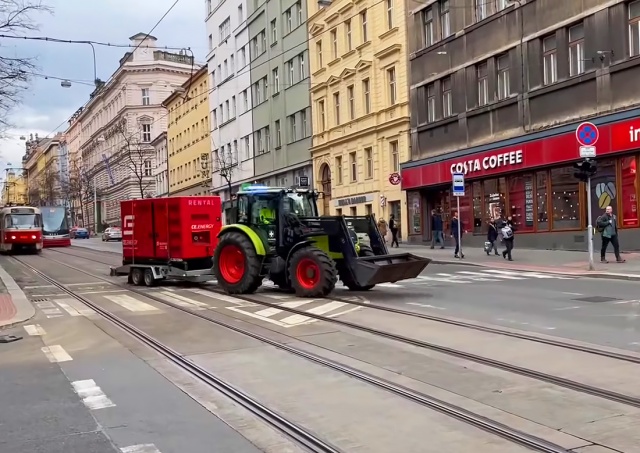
[584, 170]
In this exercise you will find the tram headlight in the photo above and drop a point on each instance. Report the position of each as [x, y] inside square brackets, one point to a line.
[34, 237]
[13, 237]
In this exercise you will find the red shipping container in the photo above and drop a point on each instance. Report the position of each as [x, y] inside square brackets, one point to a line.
[177, 228]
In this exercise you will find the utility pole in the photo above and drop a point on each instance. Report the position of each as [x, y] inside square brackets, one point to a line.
[587, 135]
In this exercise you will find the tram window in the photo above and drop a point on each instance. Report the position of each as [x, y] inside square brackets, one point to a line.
[22, 221]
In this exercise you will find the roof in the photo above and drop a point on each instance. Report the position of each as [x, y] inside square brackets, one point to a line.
[187, 84]
[143, 35]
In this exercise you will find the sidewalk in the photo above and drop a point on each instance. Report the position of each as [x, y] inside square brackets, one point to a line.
[14, 304]
[549, 261]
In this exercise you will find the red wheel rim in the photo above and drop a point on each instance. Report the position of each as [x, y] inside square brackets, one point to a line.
[231, 263]
[308, 273]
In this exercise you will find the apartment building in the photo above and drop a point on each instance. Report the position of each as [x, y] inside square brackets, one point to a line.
[161, 170]
[42, 163]
[498, 89]
[360, 105]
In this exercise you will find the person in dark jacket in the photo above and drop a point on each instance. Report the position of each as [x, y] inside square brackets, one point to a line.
[393, 226]
[437, 229]
[455, 228]
[492, 237]
[508, 231]
[607, 225]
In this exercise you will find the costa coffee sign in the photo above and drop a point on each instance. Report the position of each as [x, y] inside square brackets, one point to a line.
[487, 163]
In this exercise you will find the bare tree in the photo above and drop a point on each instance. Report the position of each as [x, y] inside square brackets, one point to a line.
[73, 188]
[227, 166]
[49, 182]
[16, 18]
[136, 156]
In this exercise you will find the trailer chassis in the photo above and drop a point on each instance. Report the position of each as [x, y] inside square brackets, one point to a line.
[152, 274]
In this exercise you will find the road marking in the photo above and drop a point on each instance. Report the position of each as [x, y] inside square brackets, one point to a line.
[87, 284]
[389, 285]
[253, 315]
[572, 294]
[38, 286]
[568, 308]
[56, 353]
[35, 330]
[622, 302]
[481, 277]
[512, 321]
[143, 448]
[47, 295]
[104, 291]
[52, 312]
[92, 396]
[528, 274]
[222, 297]
[182, 301]
[425, 305]
[74, 307]
[292, 304]
[483, 274]
[320, 310]
[130, 303]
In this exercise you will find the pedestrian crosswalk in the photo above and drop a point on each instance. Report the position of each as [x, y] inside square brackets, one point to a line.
[475, 276]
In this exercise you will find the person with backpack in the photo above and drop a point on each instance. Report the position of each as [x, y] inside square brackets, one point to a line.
[607, 225]
[508, 231]
[492, 237]
[455, 228]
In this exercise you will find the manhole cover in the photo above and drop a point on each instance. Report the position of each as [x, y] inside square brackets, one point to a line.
[596, 299]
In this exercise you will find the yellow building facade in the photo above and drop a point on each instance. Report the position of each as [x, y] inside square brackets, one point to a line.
[360, 105]
[188, 142]
[15, 188]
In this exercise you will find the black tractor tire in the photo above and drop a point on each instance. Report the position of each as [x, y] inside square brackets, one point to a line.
[365, 250]
[240, 270]
[312, 272]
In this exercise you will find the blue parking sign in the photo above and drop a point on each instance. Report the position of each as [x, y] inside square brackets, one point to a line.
[458, 184]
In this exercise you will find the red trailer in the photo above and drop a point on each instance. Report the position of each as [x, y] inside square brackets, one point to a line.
[169, 238]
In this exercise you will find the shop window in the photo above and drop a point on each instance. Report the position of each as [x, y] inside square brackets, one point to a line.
[629, 186]
[494, 192]
[477, 208]
[522, 201]
[466, 210]
[415, 213]
[603, 188]
[565, 198]
[542, 198]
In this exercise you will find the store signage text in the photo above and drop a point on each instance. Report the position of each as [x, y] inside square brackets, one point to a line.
[487, 163]
[358, 199]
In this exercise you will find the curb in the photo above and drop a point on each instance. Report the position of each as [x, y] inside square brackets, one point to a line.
[24, 309]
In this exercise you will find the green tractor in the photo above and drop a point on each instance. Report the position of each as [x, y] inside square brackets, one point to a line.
[278, 234]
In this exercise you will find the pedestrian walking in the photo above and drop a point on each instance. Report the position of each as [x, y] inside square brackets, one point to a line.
[383, 228]
[492, 237]
[508, 236]
[607, 225]
[437, 230]
[393, 226]
[455, 229]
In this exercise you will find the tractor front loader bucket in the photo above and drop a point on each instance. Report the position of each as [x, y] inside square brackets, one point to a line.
[372, 270]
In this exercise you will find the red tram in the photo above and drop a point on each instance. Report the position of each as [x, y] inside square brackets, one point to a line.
[20, 229]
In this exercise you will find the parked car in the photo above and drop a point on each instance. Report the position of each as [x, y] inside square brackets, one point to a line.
[112, 234]
[80, 233]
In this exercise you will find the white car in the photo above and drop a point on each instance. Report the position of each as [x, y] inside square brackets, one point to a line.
[112, 234]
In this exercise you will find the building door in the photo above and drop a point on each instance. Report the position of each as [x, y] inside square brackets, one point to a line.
[325, 180]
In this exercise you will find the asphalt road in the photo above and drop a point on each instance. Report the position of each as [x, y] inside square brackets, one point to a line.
[599, 311]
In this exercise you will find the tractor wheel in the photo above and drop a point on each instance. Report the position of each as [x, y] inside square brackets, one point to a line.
[365, 250]
[236, 264]
[312, 273]
[281, 281]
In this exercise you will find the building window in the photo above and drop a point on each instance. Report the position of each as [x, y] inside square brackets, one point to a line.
[363, 26]
[322, 115]
[447, 100]
[348, 34]
[391, 80]
[225, 29]
[502, 4]
[629, 182]
[389, 14]
[319, 53]
[368, 209]
[336, 106]
[542, 201]
[482, 9]
[278, 134]
[634, 28]
[240, 14]
[293, 128]
[146, 133]
[289, 20]
[353, 165]
[565, 199]
[210, 42]
[427, 20]
[276, 81]
[147, 168]
[521, 200]
[394, 151]
[303, 123]
[550, 60]
[245, 100]
[431, 103]
[339, 169]
[366, 92]
[576, 50]
[274, 31]
[352, 102]
[483, 84]
[334, 44]
[146, 99]
[300, 13]
[301, 66]
[291, 72]
[368, 157]
[445, 19]
[504, 90]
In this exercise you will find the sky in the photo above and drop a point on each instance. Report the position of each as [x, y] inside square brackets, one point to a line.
[46, 105]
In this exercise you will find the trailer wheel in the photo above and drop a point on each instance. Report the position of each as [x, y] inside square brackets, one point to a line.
[312, 273]
[137, 277]
[149, 279]
[236, 264]
[365, 250]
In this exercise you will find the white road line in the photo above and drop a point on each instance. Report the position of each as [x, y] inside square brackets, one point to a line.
[47, 295]
[56, 353]
[478, 276]
[92, 396]
[567, 308]
[87, 284]
[622, 302]
[426, 305]
[45, 304]
[320, 310]
[505, 277]
[389, 285]
[222, 297]
[182, 301]
[74, 307]
[35, 330]
[52, 312]
[130, 303]
[292, 304]
[427, 280]
[572, 294]
[528, 274]
[104, 291]
[253, 315]
[38, 286]
[143, 448]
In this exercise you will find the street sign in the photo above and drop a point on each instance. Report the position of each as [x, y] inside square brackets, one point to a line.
[587, 134]
[458, 184]
[394, 179]
[587, 152]
[304, 181]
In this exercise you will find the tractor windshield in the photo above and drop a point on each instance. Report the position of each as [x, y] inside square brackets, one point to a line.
[300, 205]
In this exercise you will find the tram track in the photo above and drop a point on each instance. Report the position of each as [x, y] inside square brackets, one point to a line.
[496, 428]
